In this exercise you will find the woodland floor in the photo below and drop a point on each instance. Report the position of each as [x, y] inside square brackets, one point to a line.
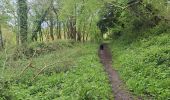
[77, 74]
[118, 89]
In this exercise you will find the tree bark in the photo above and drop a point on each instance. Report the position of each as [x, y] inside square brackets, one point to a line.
[79, 32]
[22, 4]
[17, 31]
[90, 24]
[64, 29]
[59, 30]
[84, 31]
[68, 29]
[1, 39]
[51, 26]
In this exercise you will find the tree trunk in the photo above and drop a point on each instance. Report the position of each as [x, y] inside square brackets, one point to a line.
[79, 33]
[22, 4]
[87, 35]
[59, 30]
[64, 29]
[51, 26]
[38, 25]
[41, 35]
[1, 39]
[75, 21]
[72, 26]
[17, 31]
[68, 29]
[84, 31]
[78, 36]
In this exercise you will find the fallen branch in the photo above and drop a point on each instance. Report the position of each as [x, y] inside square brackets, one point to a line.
[29, 65]
[41, 71]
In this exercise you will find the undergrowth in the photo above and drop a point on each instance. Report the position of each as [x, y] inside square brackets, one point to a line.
[144, 65]
[73, 73]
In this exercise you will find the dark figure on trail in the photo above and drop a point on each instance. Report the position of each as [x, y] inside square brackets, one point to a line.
[102, 47]
[101, 50]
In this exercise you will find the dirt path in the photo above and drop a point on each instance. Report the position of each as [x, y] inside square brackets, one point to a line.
[119, 91]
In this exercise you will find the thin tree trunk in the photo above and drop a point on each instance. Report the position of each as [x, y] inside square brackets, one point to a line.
[79, 33]
[51, 26]
[69, 29]
[64, 29]
[41, 35]
[72, 26]
[75, 22]
[84, 31]
[89, 29]
[1, 39]
[59, 30]
[17, 32]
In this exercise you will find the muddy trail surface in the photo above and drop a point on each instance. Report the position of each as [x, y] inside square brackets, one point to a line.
[119, 91]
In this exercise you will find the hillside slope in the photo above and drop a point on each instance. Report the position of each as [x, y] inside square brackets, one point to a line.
[144, 65]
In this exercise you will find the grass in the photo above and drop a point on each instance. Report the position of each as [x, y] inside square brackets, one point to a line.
[75, 75]
[144, 65]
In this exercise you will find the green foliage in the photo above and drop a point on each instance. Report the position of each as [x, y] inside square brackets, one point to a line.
[86, 13]
[77, 75]
[159, 29]
[4, 90]
[109, 17]
[132, 18]
[144, 65]
[75, 72]
[36, 49]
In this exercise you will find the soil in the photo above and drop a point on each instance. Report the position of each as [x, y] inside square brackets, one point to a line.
[119, 90]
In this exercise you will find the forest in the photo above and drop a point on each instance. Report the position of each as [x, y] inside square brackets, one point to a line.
[84, 49]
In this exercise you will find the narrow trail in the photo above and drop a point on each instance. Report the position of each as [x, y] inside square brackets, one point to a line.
[119, 91]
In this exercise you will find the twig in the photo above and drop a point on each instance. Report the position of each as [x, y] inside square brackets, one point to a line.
[34, 53]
